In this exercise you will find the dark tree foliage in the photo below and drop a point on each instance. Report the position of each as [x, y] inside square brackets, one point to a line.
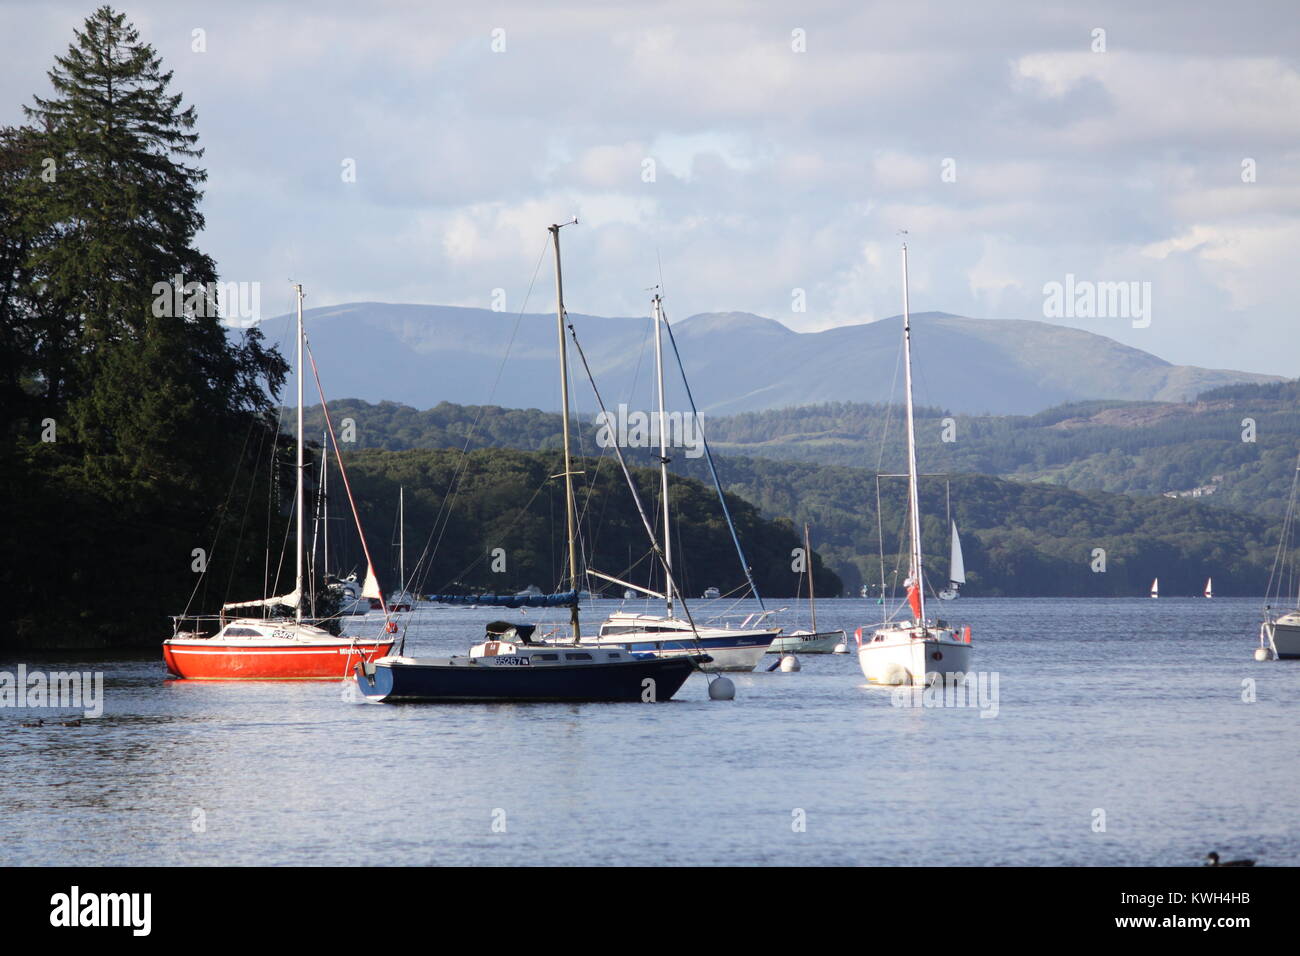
[134, 431]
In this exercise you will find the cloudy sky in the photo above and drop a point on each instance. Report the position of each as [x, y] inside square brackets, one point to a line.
[754, 148]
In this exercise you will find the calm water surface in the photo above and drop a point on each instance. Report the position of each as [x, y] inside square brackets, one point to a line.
[1131, 707]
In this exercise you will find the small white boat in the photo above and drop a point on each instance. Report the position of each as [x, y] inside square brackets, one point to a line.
[1279, 635]
[711, 594]
[814, 641]
[351, 600]
[731, 648]
[920, 650]
[1155, 588]
[1209, 587]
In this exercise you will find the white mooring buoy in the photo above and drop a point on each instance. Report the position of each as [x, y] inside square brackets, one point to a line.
[721, 688]
[1263, 654]
[790, 663]
[841, 648]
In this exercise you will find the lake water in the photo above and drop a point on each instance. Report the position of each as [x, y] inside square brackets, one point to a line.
[1131, 708]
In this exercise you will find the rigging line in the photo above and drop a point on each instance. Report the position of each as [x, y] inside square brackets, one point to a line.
[347, 485]
[636, 498]
[483, 557]
[221, 517]
[453, 488]
[708, 454]
[248, 504]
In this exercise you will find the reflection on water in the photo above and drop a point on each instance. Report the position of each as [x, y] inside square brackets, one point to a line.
[1132, 708]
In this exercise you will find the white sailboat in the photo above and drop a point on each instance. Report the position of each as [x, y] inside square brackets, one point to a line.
[956, 568]
[1279, 635]
[814, 641]
[347, 591]
[403, 600]
[921, 649]
[668, 635]
[1155, 588]
[1209, 587]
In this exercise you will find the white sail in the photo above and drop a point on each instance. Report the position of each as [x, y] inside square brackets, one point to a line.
[1155, 588]
[1209, 587]
[956, 566]
[292, 599]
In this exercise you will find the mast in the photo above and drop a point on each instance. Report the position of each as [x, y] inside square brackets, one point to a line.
[401, 540]
[325, 499]
[301, 499]
[663, 452]
[913, 494]
[812, 596]
[571, 518]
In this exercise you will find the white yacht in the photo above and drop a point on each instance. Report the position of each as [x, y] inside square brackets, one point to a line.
[1279, 635]
[918, 650]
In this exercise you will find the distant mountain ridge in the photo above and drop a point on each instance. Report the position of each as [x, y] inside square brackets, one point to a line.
[421, 355]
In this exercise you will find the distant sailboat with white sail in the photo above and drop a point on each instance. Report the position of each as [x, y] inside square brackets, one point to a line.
[956, 568]
[1155, 588]
[1209, 587]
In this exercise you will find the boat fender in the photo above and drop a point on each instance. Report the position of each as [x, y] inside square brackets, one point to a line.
[391, 627]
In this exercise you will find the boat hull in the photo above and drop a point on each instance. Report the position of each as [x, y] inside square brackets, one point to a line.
[1285, 639]
[464, 680]
[822, 642]
[912, 660]
[732, 652]
[208, 660]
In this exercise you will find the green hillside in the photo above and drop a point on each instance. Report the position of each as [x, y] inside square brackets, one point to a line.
[1020, 538]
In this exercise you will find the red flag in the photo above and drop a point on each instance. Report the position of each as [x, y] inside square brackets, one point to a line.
[914, 598]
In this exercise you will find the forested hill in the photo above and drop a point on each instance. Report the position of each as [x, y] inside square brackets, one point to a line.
[1020, 538]
[466, 507]
[1235, 447]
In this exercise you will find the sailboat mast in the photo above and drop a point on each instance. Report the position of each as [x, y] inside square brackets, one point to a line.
[913, 494]
[300, 505]
[325, 500]
[812, 595]
[401, 538]
[570, 512]
[663, 453]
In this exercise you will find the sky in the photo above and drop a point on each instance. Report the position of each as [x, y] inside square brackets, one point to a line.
[759, 157]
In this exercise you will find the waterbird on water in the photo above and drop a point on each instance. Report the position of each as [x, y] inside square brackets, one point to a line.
[1212, 859]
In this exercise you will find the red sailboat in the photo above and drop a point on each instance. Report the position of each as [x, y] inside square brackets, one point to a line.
[268, 648]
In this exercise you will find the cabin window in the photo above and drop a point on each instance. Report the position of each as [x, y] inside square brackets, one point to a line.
[242, 632]
[614, 655]
[546, 657]
[577, 657]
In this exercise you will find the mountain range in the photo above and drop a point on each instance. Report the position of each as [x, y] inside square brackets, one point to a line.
[736, 362]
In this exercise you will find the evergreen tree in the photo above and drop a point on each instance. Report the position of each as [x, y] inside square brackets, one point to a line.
[165, 427]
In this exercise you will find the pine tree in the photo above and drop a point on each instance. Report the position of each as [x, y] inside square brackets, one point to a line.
[142, 380]
[165, 427]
